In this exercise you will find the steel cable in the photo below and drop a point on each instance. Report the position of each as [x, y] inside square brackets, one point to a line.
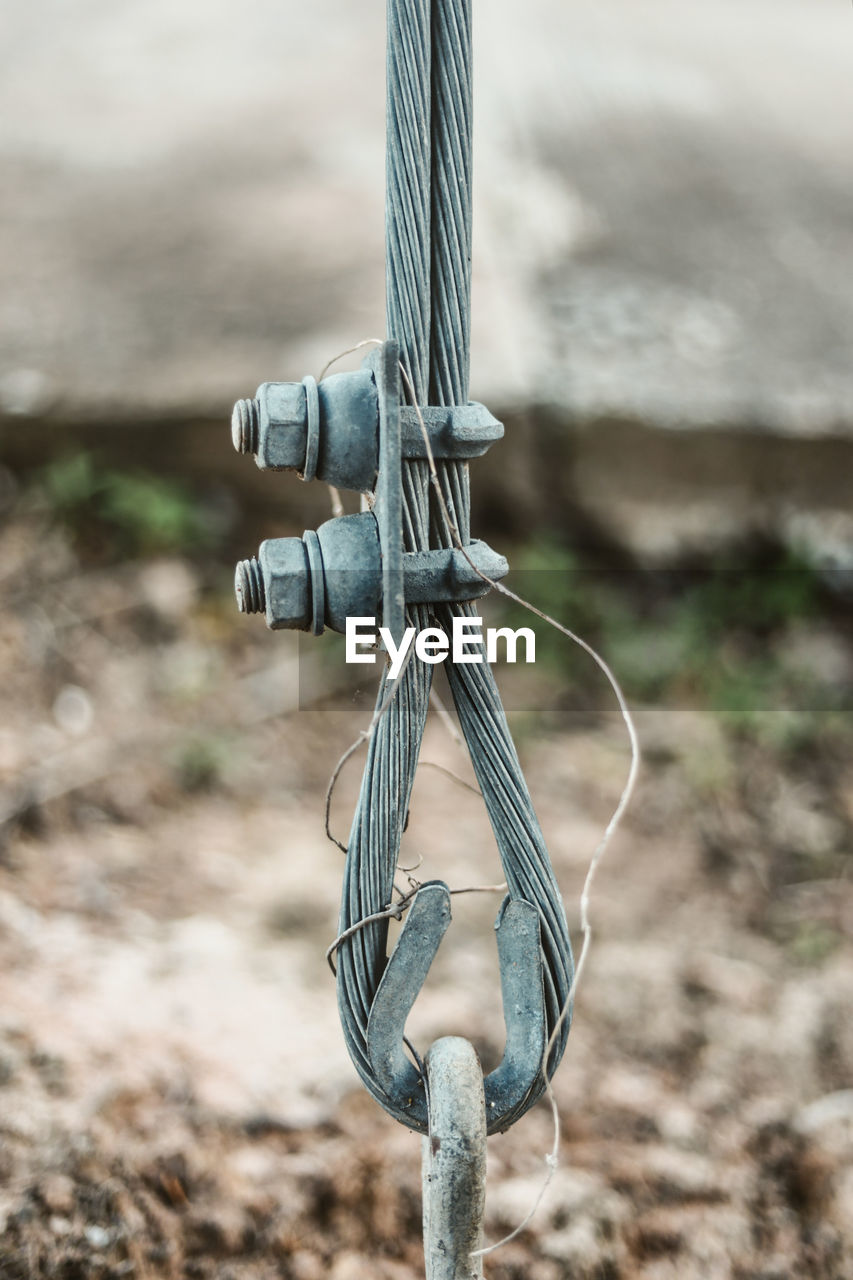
[377, 827]
[428, 285]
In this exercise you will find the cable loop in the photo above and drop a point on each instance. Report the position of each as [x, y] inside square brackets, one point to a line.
[428, 253]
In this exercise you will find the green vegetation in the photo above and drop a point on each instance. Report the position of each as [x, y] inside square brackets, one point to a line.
[121, 513]
[812, 942]
[201, 762]
[717, 638]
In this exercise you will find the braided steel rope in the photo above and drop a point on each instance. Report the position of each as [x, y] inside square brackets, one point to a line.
[407, 168]
[392, 759]
[428, 288]
[450, 282]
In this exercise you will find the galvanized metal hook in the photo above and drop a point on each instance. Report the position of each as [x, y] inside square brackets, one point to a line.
[518, 1081]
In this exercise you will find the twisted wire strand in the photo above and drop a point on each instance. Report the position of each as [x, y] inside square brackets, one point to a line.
[389, 774]
[450, 281]
[524, 856]
[372, 853]
[407, 205]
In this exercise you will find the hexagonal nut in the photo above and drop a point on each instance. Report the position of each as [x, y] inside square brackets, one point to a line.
[282, 426]
[287, 583]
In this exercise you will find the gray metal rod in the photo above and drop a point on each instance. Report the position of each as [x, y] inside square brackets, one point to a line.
[454, 1162]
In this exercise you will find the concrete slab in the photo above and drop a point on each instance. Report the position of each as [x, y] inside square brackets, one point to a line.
[193, 203]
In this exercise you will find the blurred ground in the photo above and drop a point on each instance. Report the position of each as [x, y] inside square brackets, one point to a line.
[175, 1099]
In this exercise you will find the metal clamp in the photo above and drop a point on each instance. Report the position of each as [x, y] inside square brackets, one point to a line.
[355, 566]
[332, 430]
[340, 571]
[518, 1081]
[352, 430]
